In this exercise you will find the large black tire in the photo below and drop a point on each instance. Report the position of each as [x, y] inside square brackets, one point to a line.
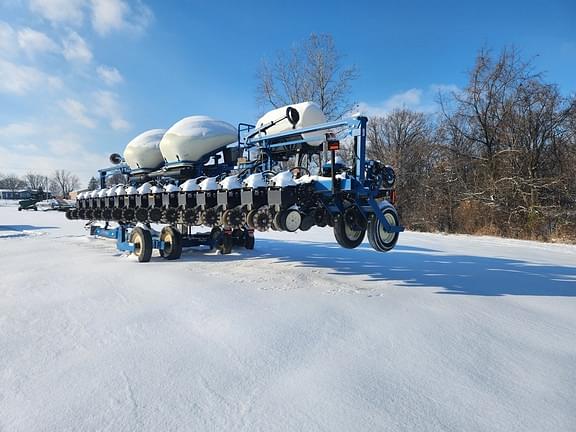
[379, 239]
[348, 233]
[172, 243]
[142, 240]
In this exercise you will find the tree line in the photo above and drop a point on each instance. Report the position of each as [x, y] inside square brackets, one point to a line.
[60, 183]
[497, 157]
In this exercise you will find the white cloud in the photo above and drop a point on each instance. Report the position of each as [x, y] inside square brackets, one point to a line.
[76, 48]
[7, 39]
[32, 41]
[67, 144]
[108, 107]
[78, 112]
[110, 75]
[19, 79]
[115, 15]
[423, 100]
[59, 11]
[18, 129]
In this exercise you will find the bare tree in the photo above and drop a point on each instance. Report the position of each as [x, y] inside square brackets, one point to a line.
[36, 181]
[63, 182]
[309, 71]
[404, 139]
[12, 182]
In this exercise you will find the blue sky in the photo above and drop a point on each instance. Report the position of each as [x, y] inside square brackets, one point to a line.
[80, 78]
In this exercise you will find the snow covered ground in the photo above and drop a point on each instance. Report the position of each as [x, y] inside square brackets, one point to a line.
[445, 333]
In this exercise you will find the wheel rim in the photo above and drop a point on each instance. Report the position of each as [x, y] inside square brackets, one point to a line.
[168, 241]
[293, 220]
[137, 246]
[351, 234]
[384, 236]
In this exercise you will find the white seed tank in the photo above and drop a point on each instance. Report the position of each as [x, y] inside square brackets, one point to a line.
[310, 114]
[143, 152]
[193, 137]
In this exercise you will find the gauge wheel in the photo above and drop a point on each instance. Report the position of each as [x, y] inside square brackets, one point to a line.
[349, 228]
[290, 220]
[379, 238]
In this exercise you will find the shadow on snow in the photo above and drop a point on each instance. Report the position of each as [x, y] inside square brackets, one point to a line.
[415, 267]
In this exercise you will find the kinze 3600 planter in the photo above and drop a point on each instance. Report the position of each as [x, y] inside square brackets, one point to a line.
[205, 172]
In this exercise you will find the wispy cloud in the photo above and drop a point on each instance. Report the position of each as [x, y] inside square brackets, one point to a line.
[77, 110]
[416, 99]
[69, 12]
[33, 42]
[110, 75]
[75, 48]
[20, 79]
[114, 15]
[108, 107]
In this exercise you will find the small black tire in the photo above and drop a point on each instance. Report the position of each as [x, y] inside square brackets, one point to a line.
[172, 239]
[277, 222]
[19, 208]
[307, 222]
[379, 239]
[345, 235]
[142, 240]
[250, 241]
[227, 243]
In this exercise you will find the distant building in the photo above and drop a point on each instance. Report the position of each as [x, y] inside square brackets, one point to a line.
[74, 194]
[8, 194]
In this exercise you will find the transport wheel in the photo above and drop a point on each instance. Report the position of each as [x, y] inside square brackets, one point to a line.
[96, 214]
[19, 208]
[348, 228]
[172, 243]
[106, 214]
[379, 239]
[141, 214]
[81, 213]
[74, 213]
[142, 240]
[68, 213]
[88, 213]
[290, 220]
[155, 214]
